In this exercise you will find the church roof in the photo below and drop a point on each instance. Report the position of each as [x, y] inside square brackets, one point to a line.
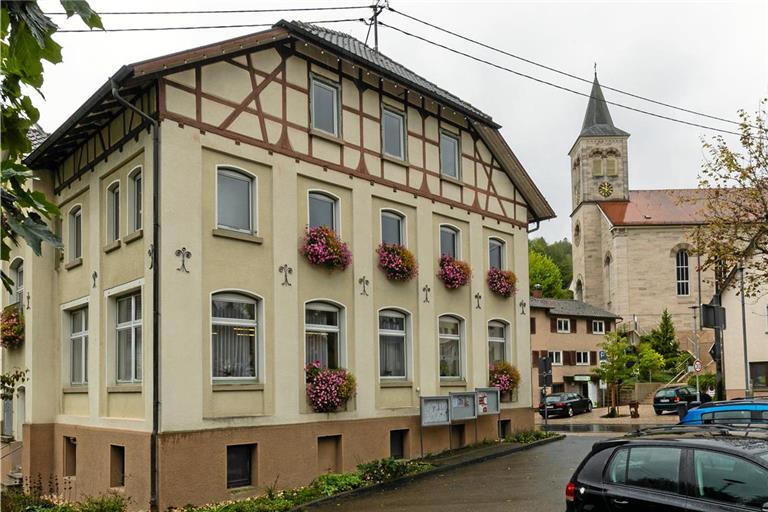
[597, 118]
[570, 307]
[656, 207]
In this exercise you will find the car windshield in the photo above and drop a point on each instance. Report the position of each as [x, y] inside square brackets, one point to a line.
[555, 398]
[666, 392]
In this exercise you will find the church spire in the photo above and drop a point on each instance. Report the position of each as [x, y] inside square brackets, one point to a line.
[597, 119]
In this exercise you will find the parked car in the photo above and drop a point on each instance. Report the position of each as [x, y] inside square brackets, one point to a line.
[749, 411]
[674, 469]
[565, 404]
[666, 399]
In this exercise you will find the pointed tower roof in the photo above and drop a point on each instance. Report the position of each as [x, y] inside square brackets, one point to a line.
[597, 119]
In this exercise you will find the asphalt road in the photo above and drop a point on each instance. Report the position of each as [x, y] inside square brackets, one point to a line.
[529, 481]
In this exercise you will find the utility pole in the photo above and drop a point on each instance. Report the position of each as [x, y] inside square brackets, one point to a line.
[696, 349]
[376, 11]
[748, 380]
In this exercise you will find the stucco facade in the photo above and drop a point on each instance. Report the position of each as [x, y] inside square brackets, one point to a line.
[249, 112]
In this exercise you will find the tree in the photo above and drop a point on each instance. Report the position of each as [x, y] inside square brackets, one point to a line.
[734, 185]
[617, 366]
[559, 252]
[543, 271]
[26, 35]
[663, 340]
[648, 360]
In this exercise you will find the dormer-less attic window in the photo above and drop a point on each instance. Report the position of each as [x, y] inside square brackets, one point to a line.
[449, 155]
[325, 106]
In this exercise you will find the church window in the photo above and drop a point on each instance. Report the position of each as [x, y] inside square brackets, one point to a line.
[579, 290]
[577, 234]
[682, 273]
[597, 166]
[611, 167]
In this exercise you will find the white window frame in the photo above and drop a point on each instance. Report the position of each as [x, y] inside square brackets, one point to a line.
[251, 180]
[238, 296]
[326, 84]
[584, 358]
[327, 305]
[75, 232]
[389, 111]
[503, 245]
[492, 339]
[595, 329]
[331, 198]
[136, 199]
[456, 155]
[459, 337]
[132, 324]
[113, 212]
[456, 241]
[388, 212]
[555, 357]
[404, 334]
[81, 336]
[564, 325]
[682, 273]
[17, 274]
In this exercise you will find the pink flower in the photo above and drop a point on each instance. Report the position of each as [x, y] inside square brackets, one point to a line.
[322, 246]
[328, 389]
[454, 273]
[501, 282]
[397, 262]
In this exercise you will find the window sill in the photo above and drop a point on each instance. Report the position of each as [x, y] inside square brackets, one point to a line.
[124, 388]
[236, 235]
[73, 390]
[395, 160]
[395, 384]
[241, 490]
[325, 135]
[73, 263]
[221, 386]
[139, 233]
[458, 383]
[112, 246]
[449, 179]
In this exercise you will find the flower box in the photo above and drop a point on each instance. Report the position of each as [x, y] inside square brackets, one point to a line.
[12, 327]
[501, 282]
[505, 377]
[397, 262]
[453, 273]
[323, 247]
[328, 390]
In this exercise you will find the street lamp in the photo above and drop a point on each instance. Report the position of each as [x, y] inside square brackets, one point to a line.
[696, 348]
[748, 383]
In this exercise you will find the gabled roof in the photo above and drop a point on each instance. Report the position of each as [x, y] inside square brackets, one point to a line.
[597, 118]
[656, 207]
[570, 307]
[36, 136]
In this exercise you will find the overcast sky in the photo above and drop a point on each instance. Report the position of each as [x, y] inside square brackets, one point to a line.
[706, 56]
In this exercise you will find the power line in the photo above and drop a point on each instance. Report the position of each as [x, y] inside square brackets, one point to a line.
[545, 82]
[223, 11]
[199, 27]
[555, 70]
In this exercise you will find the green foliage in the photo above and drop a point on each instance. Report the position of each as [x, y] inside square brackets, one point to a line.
[706, 381]
[618, 365]
[648, 360]
[9, 381]
[559, 252]
[663, 340]
[543, 271]
[381, 470]
[529, 436]
[333, 483]
[15, 501]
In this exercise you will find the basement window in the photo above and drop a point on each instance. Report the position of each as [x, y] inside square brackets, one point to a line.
[116, 466]
[240, 465]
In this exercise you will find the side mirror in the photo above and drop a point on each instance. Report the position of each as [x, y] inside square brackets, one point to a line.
[765, 507]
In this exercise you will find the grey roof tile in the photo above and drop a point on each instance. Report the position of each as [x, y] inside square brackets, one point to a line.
[36, 136]
[570, 307]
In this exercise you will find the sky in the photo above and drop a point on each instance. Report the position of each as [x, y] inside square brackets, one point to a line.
[707, 56]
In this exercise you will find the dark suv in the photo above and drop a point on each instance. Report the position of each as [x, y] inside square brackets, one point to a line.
[666, 399]
[673, 469]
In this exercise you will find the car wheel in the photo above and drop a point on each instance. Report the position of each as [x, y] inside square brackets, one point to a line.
[589, 407]
[569, 412]
[658, 412]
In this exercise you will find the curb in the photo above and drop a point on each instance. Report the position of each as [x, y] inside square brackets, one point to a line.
[407, 479]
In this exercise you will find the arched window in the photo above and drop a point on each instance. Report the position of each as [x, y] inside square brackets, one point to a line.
[496, 252]
[579, 291]
[323, 211]
[135, 201]
[113, 212]
[234, 191]
[322, 327]
[451, 343]
[76, 233]
[449, 241]
[577, 234]
[393, 344]
[17, 274]
[497, 342]
[597, 165]
[611, 166]
[234, 336]
[682, 272]
[608, 277]
[392, 227]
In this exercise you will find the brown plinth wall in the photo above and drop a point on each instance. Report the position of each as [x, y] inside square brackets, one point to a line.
[193, 465]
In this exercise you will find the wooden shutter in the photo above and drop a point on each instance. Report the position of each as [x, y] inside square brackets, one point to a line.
[608, 325]
[533, 325]
[535, 358]
[593, 357]
[573, 324]
[589, 326]
[569, 357]
[553, 324]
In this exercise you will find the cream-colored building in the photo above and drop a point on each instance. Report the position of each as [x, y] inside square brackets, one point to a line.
[166, 342]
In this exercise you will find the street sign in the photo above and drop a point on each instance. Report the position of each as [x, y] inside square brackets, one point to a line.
[712, 316]
[602, 356]
[697, 367]
[545, 372]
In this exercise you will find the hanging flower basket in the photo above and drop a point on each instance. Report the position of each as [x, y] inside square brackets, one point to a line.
[397, 262]
[502, 282]
[12, 327]
[454, 273]
[328, 389]
[503, 376]
[323, 247]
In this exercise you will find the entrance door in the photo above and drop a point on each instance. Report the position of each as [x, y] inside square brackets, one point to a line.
[584, 389]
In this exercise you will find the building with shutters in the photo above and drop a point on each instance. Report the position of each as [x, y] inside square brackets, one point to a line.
[568, 332]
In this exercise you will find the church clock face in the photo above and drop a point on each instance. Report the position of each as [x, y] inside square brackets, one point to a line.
[605, 189]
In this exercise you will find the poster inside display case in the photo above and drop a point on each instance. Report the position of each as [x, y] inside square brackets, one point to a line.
[463, 405]
[435, 411]
[488, 401]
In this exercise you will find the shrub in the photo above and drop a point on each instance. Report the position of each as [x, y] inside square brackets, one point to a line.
[328, 389]
[706, 381]
[503, 376]
[12, 327]
[453, 273]
[333, 483]
[502, 282]
[397, 262]
[105, 503]
[322, 246]
[381, 470]
[529, 436]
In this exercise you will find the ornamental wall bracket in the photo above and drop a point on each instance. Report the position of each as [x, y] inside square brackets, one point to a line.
[522, 307]
[28, 299]
[151, 254]
[364, 282]
[184, 254]
[478, 297]
[426, 289]
[286, 271]
[94, 276]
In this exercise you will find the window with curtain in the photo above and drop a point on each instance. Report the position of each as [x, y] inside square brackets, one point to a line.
[76, 233]
[393, 133]
[392, 344]
[234, 336]
[17, 274]
[449, 241]
[449, 155]
[325, 106]
[496, 253]
[392, 228]
[682, 273]
[129, 338]
[322, 210]
[450, 347]
[113, 212]
[78, 346]
[497, 342]
[322, 327]
[235, 200]
[136, 199]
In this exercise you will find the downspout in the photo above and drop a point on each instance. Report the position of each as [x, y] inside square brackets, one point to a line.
[155, 265]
